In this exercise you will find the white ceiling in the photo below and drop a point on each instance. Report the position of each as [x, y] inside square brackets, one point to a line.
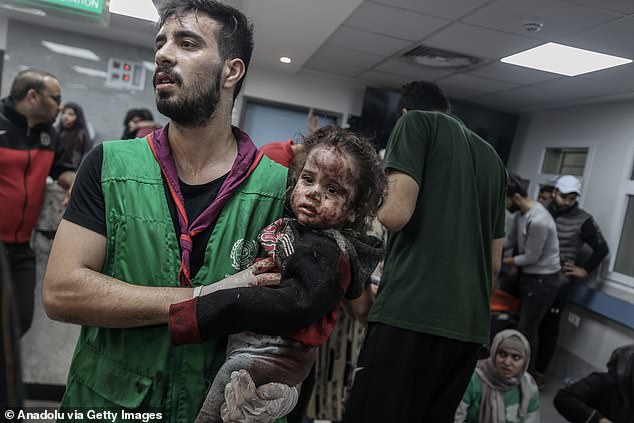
[363, 39]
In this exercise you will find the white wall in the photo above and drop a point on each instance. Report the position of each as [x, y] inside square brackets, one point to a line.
[104, 107]
[306, 88]
[608, 131]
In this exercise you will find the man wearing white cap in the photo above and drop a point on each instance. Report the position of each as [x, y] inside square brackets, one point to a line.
[575, 228]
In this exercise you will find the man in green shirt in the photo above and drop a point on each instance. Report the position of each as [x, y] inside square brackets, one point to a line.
[153, 219]
[445, 212]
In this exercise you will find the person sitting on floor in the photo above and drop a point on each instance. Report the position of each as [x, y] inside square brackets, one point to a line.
[501, 390]
[602, 397]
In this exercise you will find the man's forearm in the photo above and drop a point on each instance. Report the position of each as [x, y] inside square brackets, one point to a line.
[90, 298]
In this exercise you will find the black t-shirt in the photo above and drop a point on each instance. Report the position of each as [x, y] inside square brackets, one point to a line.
[87, 209]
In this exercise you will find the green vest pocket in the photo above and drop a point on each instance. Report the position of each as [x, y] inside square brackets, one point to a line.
[109, 379]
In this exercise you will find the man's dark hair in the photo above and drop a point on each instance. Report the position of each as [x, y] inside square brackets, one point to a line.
[367, 165]
[235, 33]
[26, 80]
[546, 188]
[423, 95]
[517, 185]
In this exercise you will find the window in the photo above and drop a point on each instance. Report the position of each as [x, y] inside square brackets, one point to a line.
[267, 122]
[622, 270]
[565, 161]
[623, 262]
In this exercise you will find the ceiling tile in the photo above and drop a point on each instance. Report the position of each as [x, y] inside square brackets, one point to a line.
[345, 57]
[558, 17]
[581, 87]
[478, 41]
[357, 39]
[511, 73]
[384, 80]
[412, 71]
[473, 82]
[520, 98]
[621, 76]
[394, 22]
[461, 93]
[621, 6]
[451, 9]
[334, 68]
[611, 38]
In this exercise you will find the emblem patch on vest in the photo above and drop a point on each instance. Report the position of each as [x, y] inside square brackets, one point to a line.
[243, 253]
[45, 139]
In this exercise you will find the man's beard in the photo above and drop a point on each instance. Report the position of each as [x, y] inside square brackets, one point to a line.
[197, 103]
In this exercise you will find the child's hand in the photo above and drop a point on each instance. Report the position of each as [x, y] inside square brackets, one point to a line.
[263, 266]
[265, 273]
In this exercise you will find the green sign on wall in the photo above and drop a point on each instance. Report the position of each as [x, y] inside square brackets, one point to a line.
[84, 10]
[90, 6]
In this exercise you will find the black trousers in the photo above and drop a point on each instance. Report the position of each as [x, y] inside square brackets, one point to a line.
[549, 331]
[410, 377]
[538, 293]
[22, 268]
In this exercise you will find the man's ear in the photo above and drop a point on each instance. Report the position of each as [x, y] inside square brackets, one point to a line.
[403, 111]
[31, 95]
[234, 71]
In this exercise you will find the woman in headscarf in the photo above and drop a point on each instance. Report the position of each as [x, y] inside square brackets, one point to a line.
[501, 390]
[602, 397]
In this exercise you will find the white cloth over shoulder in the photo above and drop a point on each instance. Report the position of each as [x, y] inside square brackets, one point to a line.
[244, 403]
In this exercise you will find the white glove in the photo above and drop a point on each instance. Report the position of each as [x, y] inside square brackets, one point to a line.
[254, 275]
[246, 404]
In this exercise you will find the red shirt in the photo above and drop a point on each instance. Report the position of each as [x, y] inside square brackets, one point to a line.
[280, 152]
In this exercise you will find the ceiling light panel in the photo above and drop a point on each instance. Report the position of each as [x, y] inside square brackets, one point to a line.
[141, 9]
[97, 73]
[66, 50]
[564, 60]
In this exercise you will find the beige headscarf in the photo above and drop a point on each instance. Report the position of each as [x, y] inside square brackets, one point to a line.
[492, 409]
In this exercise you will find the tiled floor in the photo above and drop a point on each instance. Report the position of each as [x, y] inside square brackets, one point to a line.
[548, 412]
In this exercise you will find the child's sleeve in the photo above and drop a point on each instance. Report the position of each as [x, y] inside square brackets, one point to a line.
[309, 290]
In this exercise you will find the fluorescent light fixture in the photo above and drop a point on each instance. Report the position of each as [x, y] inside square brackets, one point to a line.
[82, 53]
[141, 9]
[90, 72]
[29, 10]
[564, 60]
[285, 60]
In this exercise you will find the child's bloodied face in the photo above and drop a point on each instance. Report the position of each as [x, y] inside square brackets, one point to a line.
[325, 189]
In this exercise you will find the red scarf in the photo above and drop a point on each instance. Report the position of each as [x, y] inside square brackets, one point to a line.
[246, 161]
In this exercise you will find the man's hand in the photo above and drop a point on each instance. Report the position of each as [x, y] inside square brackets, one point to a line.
[247, 404]
[571, 269]
[313, 122]
[258, 274]
[66, 181]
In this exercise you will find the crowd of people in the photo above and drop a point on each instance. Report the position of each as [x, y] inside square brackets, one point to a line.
[230, 265]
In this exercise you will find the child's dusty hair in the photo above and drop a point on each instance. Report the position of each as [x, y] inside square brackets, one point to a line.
[371, 180]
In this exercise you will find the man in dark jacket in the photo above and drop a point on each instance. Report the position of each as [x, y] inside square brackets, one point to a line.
[29, 152]
[576, 230]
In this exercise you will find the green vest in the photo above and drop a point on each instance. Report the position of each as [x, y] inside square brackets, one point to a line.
[137, 368]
